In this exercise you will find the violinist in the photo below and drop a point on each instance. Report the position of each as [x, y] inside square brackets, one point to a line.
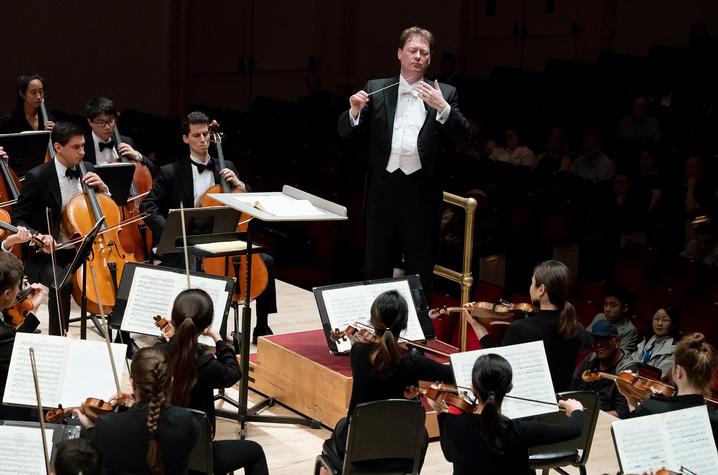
[185, 181]
[74, 456]
[11, 274]
[100, 146]
[51, 185]
[152, 436]
[27, 116]
[607, 355]
[384, 369]
[659, 349]
[555, 323]
[694, 365]
[486, 442]
[195, 374]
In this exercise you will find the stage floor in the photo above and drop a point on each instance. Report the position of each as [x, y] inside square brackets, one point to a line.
[292, 449]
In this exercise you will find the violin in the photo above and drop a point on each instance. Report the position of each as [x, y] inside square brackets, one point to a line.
[6, 229]
[92, 408]
[15, 315]
[168, 329]
[367, 335]
[225, 265]
[79, 216]
[633, 386]
[444, 394]
[135, 236]
[487, 313]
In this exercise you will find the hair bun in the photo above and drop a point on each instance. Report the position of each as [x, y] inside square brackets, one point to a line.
[696, 340]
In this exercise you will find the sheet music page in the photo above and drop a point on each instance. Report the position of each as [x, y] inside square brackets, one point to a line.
[282, 205]
[641, 444]
[691, 440]
[348, 305]
[21, 450]
[51, 354]
[89, 373]
[531, 377]
[153, 292]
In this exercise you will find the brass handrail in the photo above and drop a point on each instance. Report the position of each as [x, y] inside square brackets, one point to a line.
[464, 277]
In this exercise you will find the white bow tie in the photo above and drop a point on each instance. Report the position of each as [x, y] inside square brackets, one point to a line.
[404, 89]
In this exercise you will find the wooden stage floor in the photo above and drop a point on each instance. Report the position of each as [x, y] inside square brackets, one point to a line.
[292, 449]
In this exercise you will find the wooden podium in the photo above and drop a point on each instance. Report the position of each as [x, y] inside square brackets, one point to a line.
[298, 370]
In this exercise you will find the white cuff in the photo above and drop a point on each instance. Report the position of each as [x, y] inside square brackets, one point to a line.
[2, 244]
[444, 115]
[354, 121]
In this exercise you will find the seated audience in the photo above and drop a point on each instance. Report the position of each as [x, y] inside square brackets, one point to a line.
[704, 248]
[639, 128]
[593, 165]
[513, 152]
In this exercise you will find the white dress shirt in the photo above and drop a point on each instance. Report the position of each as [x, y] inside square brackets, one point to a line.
[69, 187]
[108, 155]
[201, 182]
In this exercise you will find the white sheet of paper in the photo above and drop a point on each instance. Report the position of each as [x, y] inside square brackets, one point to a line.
[531, 377]
[153, 292]
[672, 439]
[347, 305]
[21, 450]
[282, 205]
[69, 371]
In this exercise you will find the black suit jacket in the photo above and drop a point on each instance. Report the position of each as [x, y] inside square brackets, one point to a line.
[122, 439]
[377, 119]
[172, 186]
[40, 190]
[90, 152]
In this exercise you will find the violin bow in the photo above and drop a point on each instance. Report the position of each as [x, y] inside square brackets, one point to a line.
[39, 410]
[107, 331]
[407, 341]
[184, 242]
[54, 273]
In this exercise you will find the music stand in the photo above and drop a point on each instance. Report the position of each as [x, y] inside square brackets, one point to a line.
[198, 221]
[248, 203]
[80, 259]
[118, 178]
[25, 149]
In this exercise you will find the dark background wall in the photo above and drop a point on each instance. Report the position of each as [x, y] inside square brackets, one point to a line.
[161, 56]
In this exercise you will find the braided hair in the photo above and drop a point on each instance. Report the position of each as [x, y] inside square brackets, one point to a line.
[389, 316]
[150, 375]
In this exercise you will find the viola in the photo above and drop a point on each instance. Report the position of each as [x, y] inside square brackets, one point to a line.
[633, 386]
[444, 394]
[135, 236]
[168, 330]
[225, 265]
[79, 216]
[367, 335]
[487, 313]
[92, 408]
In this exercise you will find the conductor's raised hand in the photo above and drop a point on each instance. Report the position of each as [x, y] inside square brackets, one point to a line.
[357, 102]
[432, 95]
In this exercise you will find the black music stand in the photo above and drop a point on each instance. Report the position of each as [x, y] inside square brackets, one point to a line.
[25, 149]
[118, 178]
[247, 203]
[80, 260]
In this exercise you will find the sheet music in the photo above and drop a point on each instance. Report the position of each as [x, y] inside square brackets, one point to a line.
[153, 292]
[531, 377]
[50, 358]
[96, 378]
[672, 439]
[282, 205]
[347, 305]
[222, 246]
[21, 450]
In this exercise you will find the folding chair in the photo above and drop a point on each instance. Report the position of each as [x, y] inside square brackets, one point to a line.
[384, 438]
[555, 456]
[201, 458]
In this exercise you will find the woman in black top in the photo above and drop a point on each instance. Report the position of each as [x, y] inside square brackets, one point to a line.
[383, 370]
[694, 365]
[151, 436]
[27, 116]
[195, 375]
[555, 323]
[486, 442]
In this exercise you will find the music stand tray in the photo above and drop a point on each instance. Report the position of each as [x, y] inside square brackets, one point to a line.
[318, 209]
[118, 177]
[198, 221]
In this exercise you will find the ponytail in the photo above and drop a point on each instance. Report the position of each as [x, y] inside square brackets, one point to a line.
[556, 278]
[491, 378]
[386, 355]
[567, 321]
[389, 316]
[184, 367]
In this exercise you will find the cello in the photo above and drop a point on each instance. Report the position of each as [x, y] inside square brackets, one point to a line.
[135, 236]
[9, 184]
[50, 155]
[79, 216]
[223, 265]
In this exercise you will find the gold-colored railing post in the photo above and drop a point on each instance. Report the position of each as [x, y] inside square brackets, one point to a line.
[463, 278]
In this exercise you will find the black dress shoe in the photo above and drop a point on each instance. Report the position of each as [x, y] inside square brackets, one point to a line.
[260, 331]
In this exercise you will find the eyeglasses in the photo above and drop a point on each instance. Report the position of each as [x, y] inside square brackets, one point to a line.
[662, 319]
[104, 123]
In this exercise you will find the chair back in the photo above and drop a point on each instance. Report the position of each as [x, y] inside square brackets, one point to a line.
[390, 431]
[201, 459]
[591, 408]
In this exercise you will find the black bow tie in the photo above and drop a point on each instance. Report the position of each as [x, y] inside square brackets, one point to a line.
[104, 145]
[202, 167]
[73, 173]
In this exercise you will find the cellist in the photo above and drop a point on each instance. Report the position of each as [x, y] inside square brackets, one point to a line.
[51, 185]
[185, 181]
[27, 115]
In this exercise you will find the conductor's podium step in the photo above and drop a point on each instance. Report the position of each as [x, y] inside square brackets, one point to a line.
[297, 370]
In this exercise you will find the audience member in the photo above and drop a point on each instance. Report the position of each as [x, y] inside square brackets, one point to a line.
[658, 351]
[513, 152]
[638, 128]
[704, 248]
[617, 309]
[593, 165]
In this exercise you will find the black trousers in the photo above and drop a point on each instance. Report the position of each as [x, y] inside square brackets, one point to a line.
[403, 214]
[38, 267]
[231, 455]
